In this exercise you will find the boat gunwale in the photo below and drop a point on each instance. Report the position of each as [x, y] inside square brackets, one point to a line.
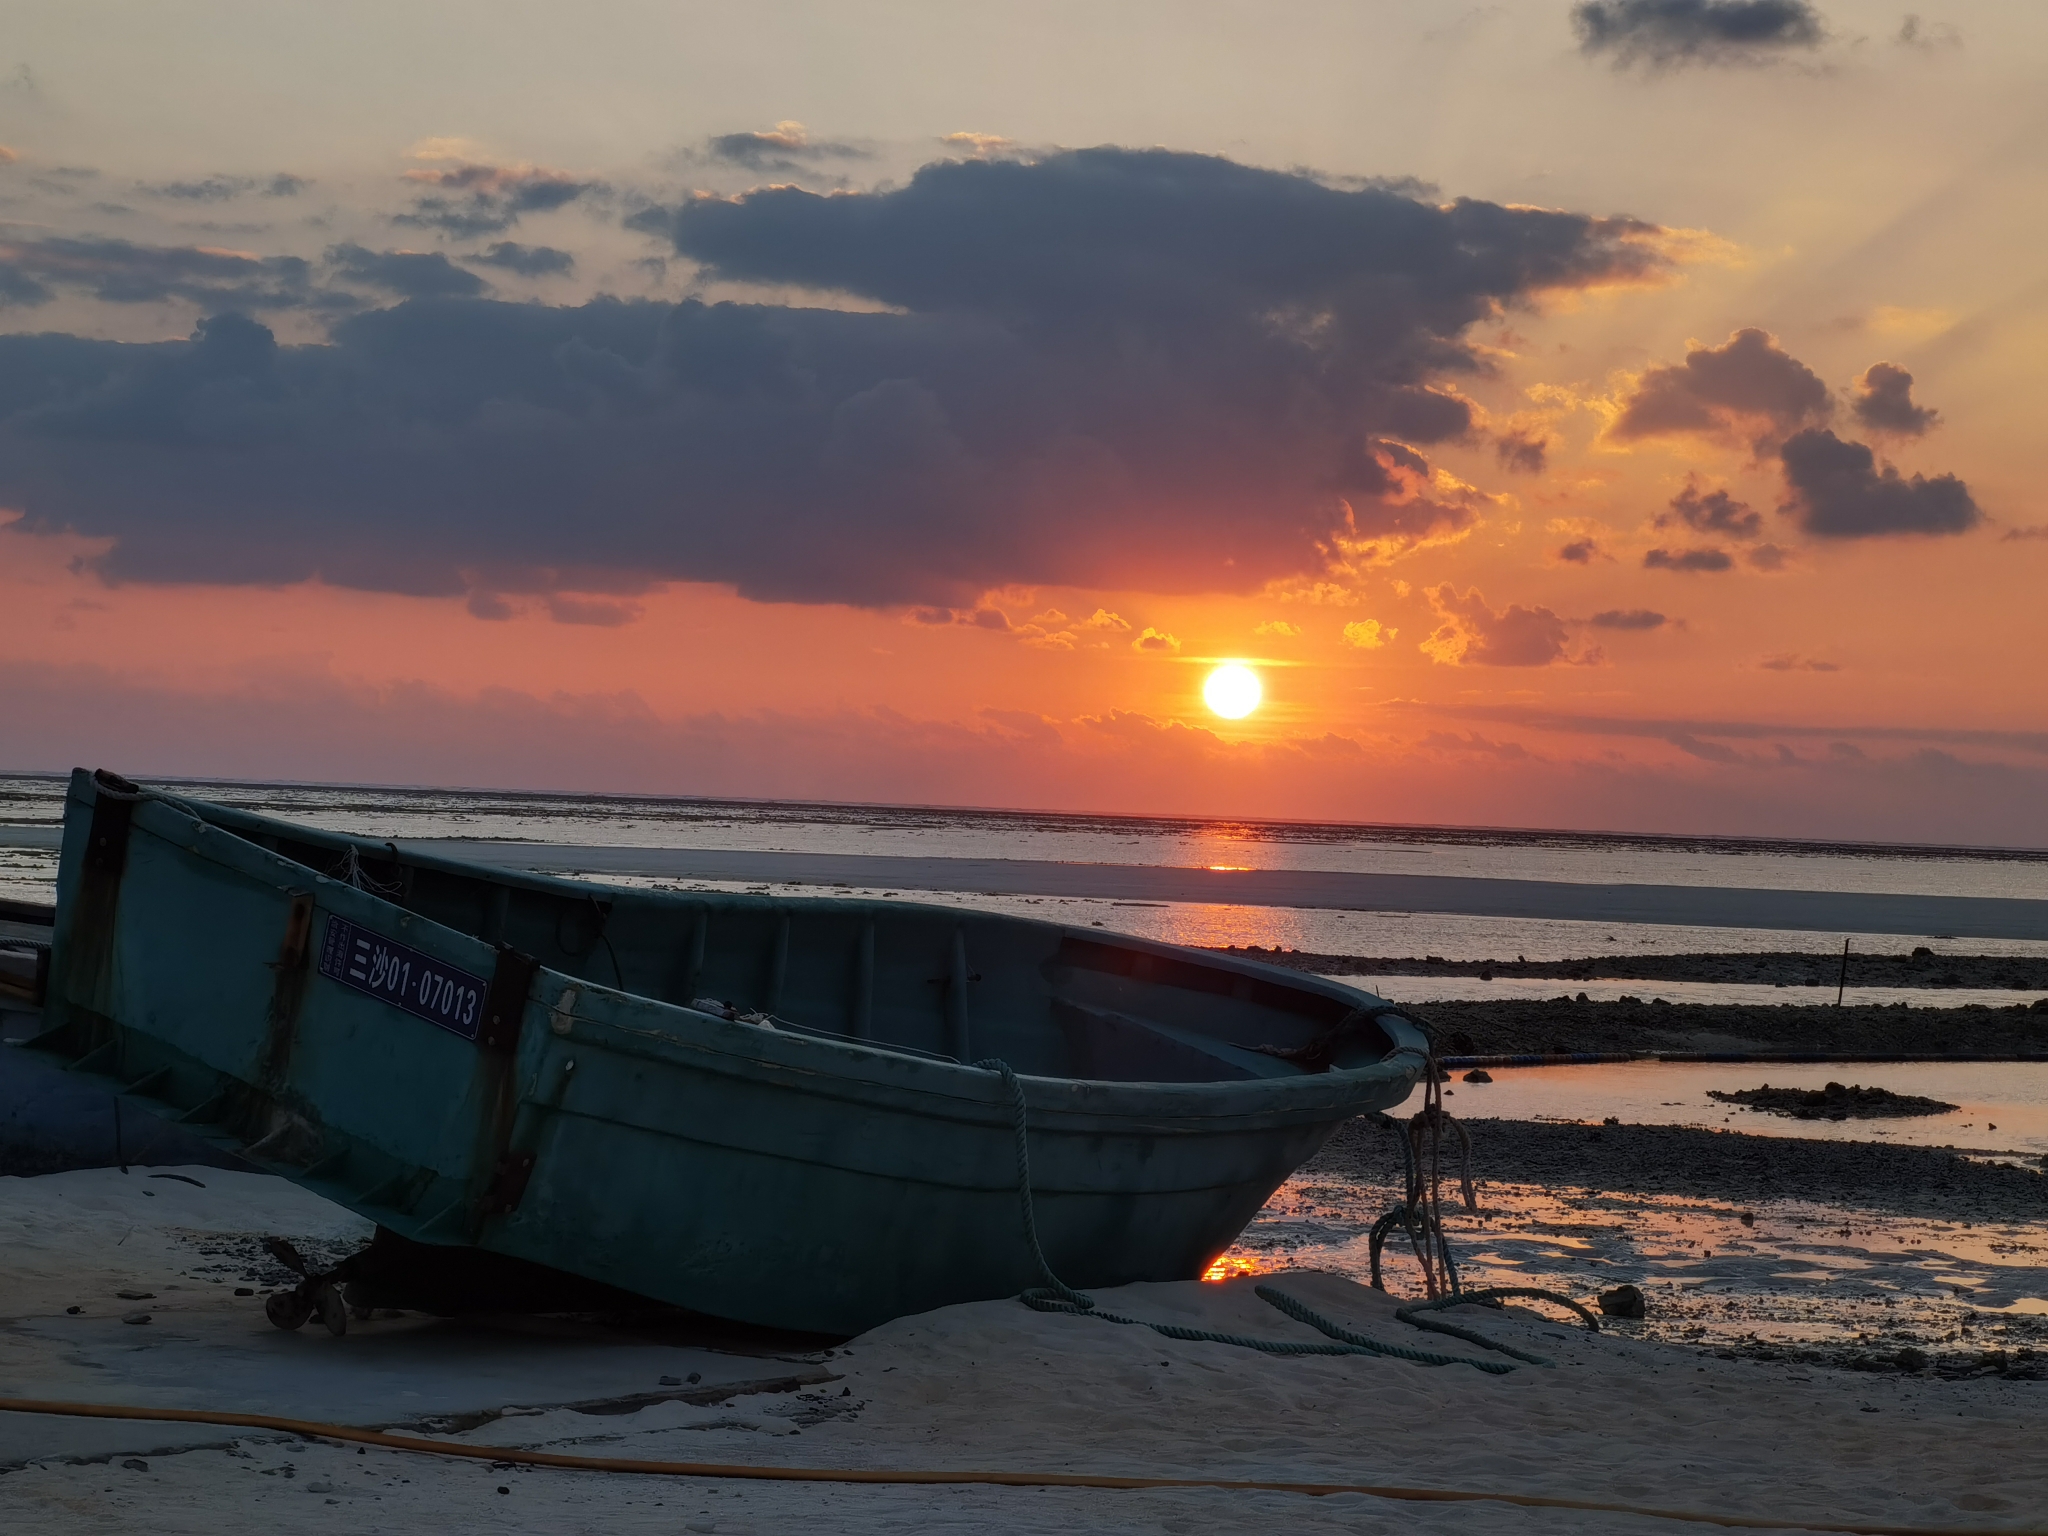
[752, 1051]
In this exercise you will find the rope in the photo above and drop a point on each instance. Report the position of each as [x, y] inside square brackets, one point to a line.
[1491, 1296]
[312, 1429]
[1055, 1295]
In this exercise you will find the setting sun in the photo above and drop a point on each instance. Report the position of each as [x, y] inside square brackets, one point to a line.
[1232, 691]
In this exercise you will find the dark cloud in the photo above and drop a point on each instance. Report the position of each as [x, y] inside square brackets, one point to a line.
[788, 146]
[1688, 560]
[1767, 557]
[219, 189]
[122, 272]
[1838, 492]
[1105, 368]
[409, 274]
[526, 260]
[210, 189]
[1579, 552]
[20, 289]
[1884, 402]
[2016, 535]
[1747, 385]
[1474, 635]
[470, 200]
[1522, 453]
[1628, 618]
[1670, 33]
[1713, 512]
[1792, 663]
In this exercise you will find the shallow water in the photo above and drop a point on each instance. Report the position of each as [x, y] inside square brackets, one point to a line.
[29, 801]
[1804, 1273]
[1452, 936]
[2002, 1107]
[1218, 843]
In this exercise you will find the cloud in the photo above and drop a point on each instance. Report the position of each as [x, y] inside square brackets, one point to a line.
[471, 199]
[1884, 402]
[1368, 635]
[1277, 627]
[220, 189]
[1578, 552]
[526, 260]
[1713, 512]
[979, 144]
[2016, 535]
[788, 146]
[1688, 560]
[1473, 742]
[1628, 618]
[1665, 34]
[1156, 641]
[1749, 384]
[409, 274]
[1102, 618]
[1838, 492]
[1522, 453]
[1788, 662]
[1473, 635]
[21, 289]
[2028, 743]
[1106, 368]
[1926, 37]
[1767, 557]
[122, 272]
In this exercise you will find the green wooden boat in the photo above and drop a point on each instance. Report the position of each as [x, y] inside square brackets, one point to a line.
[758, 1108]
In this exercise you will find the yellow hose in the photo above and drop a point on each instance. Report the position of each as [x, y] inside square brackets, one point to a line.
[313, 1429]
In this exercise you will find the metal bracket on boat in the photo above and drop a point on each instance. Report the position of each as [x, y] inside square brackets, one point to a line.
[505, 1002]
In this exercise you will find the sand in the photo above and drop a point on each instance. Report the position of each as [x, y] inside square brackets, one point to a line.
[996, 1385]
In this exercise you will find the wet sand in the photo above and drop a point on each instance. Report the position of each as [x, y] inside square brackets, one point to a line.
[1560, 1026]
[1921, 967]
[1716, 1165]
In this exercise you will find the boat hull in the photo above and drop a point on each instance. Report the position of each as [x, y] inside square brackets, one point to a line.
[761, 1174]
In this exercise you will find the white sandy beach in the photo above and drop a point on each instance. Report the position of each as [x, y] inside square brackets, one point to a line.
[987, 1386]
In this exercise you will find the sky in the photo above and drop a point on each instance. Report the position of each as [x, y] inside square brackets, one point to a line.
[1609, 414]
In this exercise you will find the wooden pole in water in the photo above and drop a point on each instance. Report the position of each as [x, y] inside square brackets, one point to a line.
[1842, 981]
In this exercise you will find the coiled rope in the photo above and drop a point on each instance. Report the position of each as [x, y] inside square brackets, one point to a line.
[1055, 1295]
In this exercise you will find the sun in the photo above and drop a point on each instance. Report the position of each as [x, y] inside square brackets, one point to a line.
[1232, 690]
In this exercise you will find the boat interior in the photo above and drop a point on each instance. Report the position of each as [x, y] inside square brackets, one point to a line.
[955, 985]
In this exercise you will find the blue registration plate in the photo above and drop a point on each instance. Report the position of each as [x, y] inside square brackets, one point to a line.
[402, 976]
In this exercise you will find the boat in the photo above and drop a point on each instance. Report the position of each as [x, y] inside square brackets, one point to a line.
[795, 1113]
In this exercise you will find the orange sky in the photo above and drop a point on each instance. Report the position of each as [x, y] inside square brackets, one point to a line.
[1880, 686]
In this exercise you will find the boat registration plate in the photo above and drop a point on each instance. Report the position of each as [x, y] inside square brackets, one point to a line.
[402, 976]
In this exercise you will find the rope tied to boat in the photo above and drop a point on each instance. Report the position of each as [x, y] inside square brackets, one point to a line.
[1055, 1295]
